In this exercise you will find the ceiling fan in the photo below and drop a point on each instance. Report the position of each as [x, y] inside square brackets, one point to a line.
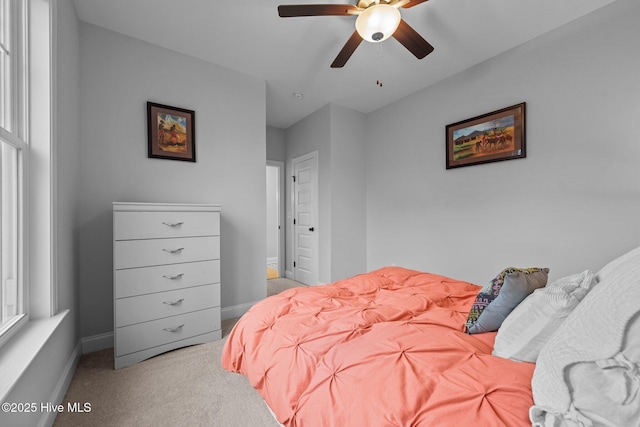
[377, 21]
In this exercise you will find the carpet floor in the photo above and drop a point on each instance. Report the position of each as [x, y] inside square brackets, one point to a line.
[184, 387]
[275, 286]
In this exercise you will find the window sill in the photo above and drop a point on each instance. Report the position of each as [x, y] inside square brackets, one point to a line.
[17, 354]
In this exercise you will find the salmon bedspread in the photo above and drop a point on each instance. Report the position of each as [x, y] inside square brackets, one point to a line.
[386, 348]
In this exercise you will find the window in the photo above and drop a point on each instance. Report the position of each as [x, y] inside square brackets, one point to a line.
[13, 150]
[5, 64]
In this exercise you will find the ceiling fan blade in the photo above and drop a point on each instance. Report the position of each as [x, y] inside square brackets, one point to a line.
[413, 3]
[413, 41]
[293, 10]
[347, 50]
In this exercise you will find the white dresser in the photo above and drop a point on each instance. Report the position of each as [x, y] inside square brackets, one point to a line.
[166, 261]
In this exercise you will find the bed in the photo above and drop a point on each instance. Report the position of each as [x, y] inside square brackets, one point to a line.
[393, 347]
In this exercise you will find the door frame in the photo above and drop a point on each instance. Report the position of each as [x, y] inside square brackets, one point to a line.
[315, 214]
[280, 202]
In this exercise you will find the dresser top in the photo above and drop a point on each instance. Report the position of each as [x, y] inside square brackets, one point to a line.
[163, 207]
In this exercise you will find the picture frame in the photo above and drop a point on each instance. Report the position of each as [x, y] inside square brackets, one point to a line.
[171, 132]
[492, 137]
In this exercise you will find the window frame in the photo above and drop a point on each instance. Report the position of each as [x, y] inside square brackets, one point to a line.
[16, 134]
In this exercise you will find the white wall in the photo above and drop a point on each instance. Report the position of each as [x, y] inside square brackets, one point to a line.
[119, 75]
[572, 204]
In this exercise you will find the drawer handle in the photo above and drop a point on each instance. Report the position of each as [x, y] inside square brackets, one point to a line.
[173, 224]
[176, 277]
[174, 251]
[176, 329]
[174, 302]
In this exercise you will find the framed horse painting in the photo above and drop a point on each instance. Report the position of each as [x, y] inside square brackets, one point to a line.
[171, 132]
[491, 137]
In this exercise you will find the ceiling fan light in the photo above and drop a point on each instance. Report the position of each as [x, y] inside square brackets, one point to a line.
[378, 22]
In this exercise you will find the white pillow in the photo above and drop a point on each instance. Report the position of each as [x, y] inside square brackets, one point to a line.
[593, 332]
[526, 330]
[614, 265]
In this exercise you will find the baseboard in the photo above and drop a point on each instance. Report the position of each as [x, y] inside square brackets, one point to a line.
[62, 386]
[97, 342]
[235, 311]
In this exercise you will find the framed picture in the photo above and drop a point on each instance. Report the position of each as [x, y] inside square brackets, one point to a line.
[171, 132]
[495, 136]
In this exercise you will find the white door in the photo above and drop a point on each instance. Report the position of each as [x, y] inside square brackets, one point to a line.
[305, 219]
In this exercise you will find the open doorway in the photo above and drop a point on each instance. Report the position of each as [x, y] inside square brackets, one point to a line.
[275, 230]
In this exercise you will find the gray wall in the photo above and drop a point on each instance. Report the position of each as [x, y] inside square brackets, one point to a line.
[348, 195]
[68, 157]
[310, 134]
[337, 133]
[572, 204]
[276, 146]
[119, 75]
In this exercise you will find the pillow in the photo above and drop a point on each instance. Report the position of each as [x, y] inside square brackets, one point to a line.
[534, 320]
[614, 265]
[494, 302]
[597, 331]
[484, 298]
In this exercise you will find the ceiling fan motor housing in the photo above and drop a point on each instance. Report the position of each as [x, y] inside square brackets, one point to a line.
[378, 22]
[363, 4]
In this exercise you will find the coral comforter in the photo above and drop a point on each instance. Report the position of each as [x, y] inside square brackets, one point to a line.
[386, 348]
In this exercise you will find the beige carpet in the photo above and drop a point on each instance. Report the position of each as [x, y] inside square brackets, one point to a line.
[275, 286]
[185, 387]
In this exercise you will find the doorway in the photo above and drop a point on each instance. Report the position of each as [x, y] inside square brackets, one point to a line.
[275, 235]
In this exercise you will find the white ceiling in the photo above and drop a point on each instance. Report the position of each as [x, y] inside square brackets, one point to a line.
[293, 54]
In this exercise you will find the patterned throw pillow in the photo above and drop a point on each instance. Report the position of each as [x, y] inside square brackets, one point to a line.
[521, 282]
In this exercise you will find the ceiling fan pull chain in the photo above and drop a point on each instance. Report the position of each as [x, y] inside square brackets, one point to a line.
[379, 49]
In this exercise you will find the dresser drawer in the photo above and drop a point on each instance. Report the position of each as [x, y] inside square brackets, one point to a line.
[145, 280]
[145, 225]
[141, 336]
[143, 308]
[142, 253]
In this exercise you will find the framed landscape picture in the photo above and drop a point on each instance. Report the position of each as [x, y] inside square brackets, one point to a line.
[491, 137]
[171, 132]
